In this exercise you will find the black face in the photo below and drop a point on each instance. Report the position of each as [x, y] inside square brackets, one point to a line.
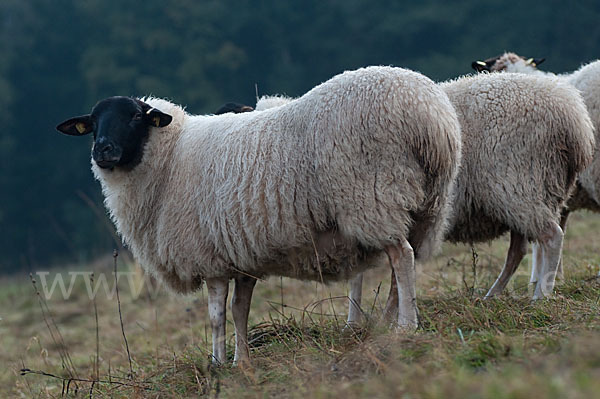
[235, 108]
[121, 126]
[486, 65]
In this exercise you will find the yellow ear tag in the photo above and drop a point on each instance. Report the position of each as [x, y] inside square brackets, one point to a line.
[156, 121]
[481, 63]
[80, 127]
[529, 61]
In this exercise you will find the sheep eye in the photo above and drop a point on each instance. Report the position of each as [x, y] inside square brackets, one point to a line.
[137, 116]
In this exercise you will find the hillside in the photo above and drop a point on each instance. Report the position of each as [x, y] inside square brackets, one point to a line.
[466, 347]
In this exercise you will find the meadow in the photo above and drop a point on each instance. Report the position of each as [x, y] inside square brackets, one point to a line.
[71, 345]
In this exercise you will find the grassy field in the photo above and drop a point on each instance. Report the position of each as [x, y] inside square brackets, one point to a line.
[465, 348]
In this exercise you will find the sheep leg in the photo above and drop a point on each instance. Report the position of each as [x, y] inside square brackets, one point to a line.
[551, 243]
[516, 252]
[537, 254]
[536, 262]
[355, 296]
[391, 306]
[217, 302]
[240, 307]
[560, 274]
[402, 259]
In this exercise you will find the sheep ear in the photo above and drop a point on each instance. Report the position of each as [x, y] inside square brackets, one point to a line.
[153, 116]
[534, 61]
[480, 66]
[78, 126]
[537, 61]
[157, 118]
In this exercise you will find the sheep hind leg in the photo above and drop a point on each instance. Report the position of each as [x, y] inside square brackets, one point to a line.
[536, 262]
[217, 302]
[551, 243]
[560, 274]
[355, 298]
[240, 307]
[402, 260]
[391, 306]
[516, 252]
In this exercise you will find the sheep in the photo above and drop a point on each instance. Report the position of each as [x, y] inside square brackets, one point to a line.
[356, 171]
[587, 80]
[524, 140]
[510, 62]
[236, 108]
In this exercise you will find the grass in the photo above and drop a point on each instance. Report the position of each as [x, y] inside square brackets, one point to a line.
[466, 347]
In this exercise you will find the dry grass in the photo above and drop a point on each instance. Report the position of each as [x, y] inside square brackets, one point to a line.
[465, 348]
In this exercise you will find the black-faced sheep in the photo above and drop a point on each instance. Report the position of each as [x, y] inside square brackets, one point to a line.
[320, 188]
[235, 108]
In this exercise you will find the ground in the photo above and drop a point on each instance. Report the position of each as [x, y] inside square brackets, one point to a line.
[465, 347]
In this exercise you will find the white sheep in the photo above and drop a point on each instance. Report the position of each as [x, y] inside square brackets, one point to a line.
[525, 139]
[587, 80]
[320, 188]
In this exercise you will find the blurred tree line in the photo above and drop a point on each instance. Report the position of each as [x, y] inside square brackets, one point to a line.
[58, 57]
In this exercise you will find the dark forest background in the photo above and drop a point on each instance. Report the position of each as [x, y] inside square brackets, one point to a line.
[58, 57]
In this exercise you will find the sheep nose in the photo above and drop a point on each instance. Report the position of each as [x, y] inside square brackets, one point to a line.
[106, 150]
[106, 154]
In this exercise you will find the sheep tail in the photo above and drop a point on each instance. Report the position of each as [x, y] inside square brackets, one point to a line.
[441, 167]
[430, 224]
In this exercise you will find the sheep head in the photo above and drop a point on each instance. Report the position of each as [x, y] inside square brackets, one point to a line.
[235, 108]
[501, 62]
[120, 126]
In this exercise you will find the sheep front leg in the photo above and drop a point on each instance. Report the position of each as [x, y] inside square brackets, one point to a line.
[217, 302]
[355, 296]
[240, 307]
[516, 252]
[551, 243]
[402, 260]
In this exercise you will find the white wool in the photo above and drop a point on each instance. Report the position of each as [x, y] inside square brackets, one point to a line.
[266, 102]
